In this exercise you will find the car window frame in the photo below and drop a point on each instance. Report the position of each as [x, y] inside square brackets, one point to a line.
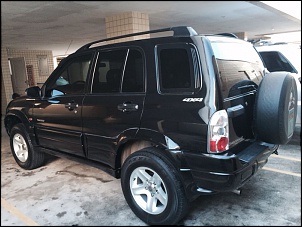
[63, 66]
[172, 91]
[127, 49]
[279, 54]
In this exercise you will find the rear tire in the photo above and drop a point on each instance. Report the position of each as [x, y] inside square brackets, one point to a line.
[153, 189]
[24, 153]
[276, 108]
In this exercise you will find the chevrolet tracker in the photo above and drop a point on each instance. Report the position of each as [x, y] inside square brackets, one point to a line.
[174, 117]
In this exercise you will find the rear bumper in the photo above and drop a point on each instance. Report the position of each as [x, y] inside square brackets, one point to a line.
[227, 172]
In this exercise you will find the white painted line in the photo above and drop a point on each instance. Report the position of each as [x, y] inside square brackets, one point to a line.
[13, 210]
[286, 157]
[281, 171]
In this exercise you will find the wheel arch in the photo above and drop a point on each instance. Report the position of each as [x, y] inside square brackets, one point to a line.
[145, 138]
[14, 117]
[160, 145]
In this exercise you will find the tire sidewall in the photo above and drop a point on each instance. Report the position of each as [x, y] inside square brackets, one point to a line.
[19, 129]
[136, 160]
[287, 127]
[273, 123]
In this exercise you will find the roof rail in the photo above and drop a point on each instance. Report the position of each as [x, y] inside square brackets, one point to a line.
[180, 31]
[228, 34]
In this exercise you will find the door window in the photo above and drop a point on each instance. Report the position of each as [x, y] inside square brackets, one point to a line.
[72, 78]
[108, 72]
[133, 80]
[175, 69]
[119, 71]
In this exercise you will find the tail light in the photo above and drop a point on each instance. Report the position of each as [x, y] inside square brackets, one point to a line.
[218, 132]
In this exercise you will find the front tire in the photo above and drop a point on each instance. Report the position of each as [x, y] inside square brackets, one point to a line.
[153, 189]
[24, 153]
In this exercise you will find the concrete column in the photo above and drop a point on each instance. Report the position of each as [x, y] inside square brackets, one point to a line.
[126, 23]
[241, 35]
[6, 81]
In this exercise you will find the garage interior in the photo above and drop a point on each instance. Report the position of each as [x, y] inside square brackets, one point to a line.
[37, 35]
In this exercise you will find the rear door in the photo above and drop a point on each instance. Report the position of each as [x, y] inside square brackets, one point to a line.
[173, 108]
[58, 114]
[240, 71]
[112, 111]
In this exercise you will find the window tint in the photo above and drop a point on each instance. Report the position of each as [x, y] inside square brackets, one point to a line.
[175, 70]
[72, 78]
[108, 72]
[276, 61]
[235, 51]
[236, 62]
[133, 80]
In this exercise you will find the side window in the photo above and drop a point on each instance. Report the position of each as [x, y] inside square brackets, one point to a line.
[175, 69]
[72, 78]
[133, 80]
[108, 71]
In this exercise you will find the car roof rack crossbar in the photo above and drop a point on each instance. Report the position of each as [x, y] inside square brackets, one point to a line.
[180, 31]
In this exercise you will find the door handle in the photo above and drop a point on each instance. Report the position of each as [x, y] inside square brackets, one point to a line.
[127, 107]
[71, 105]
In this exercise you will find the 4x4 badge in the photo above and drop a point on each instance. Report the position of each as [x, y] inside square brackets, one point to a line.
[192, 99]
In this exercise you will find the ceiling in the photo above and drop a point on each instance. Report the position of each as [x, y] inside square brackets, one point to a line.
[64, 26]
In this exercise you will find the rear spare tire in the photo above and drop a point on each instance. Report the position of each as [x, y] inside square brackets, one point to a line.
[276, 108]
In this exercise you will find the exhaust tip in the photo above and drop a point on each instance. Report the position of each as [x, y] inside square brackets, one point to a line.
[237, 191]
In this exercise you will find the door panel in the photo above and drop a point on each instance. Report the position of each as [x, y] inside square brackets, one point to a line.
[59, 125]
[105, 122]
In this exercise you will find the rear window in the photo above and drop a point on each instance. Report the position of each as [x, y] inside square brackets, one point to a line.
[237, 61]
[276, 61]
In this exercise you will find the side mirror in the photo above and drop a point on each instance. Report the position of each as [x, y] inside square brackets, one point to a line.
[33, 91]
[15, 95]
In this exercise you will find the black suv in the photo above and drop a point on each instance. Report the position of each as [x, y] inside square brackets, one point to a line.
[174, 117]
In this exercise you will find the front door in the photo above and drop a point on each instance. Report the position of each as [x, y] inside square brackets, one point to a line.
[58, 115]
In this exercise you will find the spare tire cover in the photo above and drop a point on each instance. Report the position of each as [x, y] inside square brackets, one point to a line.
[276, 108]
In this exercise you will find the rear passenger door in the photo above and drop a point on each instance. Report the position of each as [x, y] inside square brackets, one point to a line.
[178, 101]
[112, 111]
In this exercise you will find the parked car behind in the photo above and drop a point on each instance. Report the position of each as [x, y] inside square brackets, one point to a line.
[284, 57]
